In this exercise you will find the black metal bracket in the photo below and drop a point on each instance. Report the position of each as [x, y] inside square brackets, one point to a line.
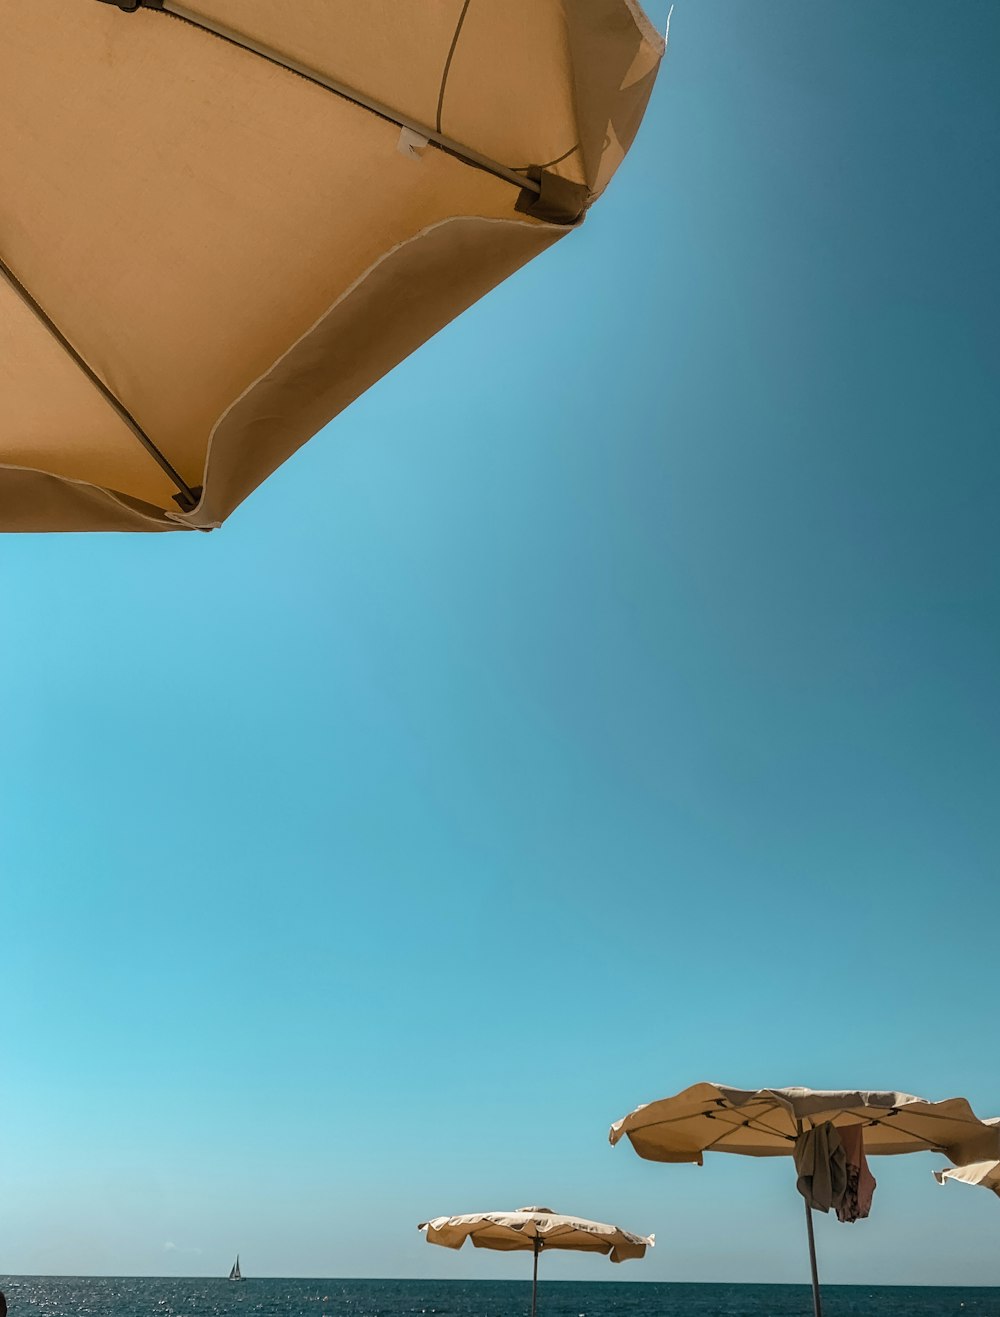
[130, 6]
[187, 500]
[558, 201]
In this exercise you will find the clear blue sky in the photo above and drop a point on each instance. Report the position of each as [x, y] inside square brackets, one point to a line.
[608, 701]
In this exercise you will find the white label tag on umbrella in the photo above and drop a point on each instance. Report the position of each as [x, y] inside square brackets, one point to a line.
[411, 144]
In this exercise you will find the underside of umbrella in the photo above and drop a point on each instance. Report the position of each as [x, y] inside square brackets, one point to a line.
[766, 1122]
[222, 221]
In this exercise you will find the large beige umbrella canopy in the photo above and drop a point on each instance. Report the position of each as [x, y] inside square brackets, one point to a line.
[537, 1229]
[221, 221]
[767, 1122]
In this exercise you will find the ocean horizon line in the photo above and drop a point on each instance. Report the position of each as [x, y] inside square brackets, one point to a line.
[7, 1277]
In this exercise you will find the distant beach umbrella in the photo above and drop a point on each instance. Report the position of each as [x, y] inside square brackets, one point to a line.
[770, 1122]
[224, 220]
[536, 1229]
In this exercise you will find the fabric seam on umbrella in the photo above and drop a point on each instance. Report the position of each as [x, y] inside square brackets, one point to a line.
[127, 502]
[447, 63]
[338, 301]
[549, 163]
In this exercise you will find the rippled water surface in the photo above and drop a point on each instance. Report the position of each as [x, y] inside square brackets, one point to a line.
[67, 1296]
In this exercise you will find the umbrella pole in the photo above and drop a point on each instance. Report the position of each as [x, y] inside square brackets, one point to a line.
[817, 1301]
[534, 1279]
[817, 1304]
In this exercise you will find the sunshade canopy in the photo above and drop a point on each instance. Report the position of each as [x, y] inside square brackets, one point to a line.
[765, 1122]
[536, 1228]
[221, 221]
[986, 1174]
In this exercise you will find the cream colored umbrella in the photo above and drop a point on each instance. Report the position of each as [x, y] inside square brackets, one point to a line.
[768, 1122]
[223, 220]
[537, 1229]
[984, 1173]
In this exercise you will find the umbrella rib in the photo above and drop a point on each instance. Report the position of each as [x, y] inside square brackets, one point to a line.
[864, 1120]
[671, 1120]
[895, 1111]
[730, 1127]
[756, 1123]
[187, 497]
[448, 144]
[752, 1122]
[714, 1115]
[929, 1147]
[937, 1115]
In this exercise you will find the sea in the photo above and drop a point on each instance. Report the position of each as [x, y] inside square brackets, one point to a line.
[68, 1296]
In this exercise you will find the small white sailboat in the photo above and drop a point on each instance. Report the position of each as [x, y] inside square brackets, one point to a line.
[236, 1274]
